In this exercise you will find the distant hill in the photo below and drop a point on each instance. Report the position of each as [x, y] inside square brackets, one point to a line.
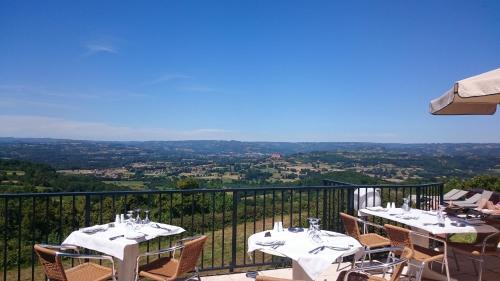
[65, 154]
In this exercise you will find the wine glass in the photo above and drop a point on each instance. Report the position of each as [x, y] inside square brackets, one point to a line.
[138, 218]
[146, 219]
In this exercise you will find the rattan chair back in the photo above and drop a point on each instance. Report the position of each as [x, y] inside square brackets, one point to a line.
[399, 237]
[190, 255]
[351, 225]
[51, 263]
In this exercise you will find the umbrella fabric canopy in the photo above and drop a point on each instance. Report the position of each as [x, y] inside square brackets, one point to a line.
[477, 95]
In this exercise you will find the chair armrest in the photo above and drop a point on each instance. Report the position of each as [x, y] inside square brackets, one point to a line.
[161, 251]
[485, 241]
[82, 256]
[371, 224]
[385, 249]
[61, 247]
[181, 241]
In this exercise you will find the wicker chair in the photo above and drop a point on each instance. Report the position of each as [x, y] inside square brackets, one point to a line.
[169, 268]
[54, 269]
[397, 264]
[478, 252]
[402, 237]
[368, 240]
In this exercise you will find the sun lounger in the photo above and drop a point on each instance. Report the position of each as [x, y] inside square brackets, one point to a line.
[454, 194]
[473, 201]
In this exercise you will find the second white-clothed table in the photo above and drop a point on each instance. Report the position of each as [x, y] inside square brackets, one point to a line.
[309, 258]
[120, 242]
[427, 222]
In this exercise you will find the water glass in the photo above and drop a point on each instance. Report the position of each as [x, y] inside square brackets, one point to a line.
[441, 216]
[130, 216]
[117, 219]
[276, 227]
[406, 205]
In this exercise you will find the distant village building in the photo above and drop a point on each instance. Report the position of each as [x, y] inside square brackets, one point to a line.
[275, 156]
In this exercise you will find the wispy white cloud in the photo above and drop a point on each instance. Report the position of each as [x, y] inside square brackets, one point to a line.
[96, 48]
[40, 126]
[167, 77]
[27, 91]
[16, 103]
[197, 89]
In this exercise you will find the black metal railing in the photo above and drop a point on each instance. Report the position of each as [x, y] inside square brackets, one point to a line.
[227, 216]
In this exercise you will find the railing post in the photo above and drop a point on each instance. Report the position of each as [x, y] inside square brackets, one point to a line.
[350, 200]
[441, 193]
[419, 195]
[5, 239]
[234, 222]
[325, 207]
[87, 210]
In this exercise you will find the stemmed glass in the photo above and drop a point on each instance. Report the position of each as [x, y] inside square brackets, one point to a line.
[138, 218]
[146, 219]
[314, 229]
[130, 220]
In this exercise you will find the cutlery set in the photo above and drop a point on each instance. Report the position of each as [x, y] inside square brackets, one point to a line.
[272, 244]
[334, 248]
[116, 237]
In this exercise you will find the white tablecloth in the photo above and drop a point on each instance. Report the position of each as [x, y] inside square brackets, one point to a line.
[125, 250]
[298, 245]
[425, 221]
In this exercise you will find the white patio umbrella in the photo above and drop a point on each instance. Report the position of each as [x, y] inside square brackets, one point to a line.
[477, 95]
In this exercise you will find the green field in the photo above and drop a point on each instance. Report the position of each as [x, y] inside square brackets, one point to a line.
[129, 184]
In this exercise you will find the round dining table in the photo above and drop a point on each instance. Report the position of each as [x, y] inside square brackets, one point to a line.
[310, 255]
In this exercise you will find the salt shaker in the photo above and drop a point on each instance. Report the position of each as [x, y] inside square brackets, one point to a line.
[122, 218]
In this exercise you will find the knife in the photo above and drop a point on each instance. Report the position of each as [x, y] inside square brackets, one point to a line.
[116, 237]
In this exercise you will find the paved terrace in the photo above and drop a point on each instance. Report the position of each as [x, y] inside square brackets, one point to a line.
[466, 273]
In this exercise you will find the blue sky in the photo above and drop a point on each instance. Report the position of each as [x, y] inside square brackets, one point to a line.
[243, 70]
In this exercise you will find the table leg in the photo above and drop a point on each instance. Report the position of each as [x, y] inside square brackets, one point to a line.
[298, 273]
[126, 267]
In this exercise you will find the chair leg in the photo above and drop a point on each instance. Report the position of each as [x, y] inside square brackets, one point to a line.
[474, 265]
[197, 273]
[389, 256]
[445, 262]
[480, 270]
[456, 260]
[420, 271]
